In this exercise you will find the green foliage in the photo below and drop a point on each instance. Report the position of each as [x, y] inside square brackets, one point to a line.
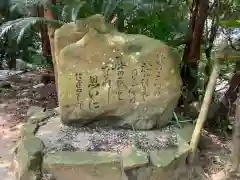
[146, 17]
[132, 16]
[4, 4]
[21, 26]
[230, 24]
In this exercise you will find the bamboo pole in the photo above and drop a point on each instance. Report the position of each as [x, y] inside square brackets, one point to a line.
[203, 112]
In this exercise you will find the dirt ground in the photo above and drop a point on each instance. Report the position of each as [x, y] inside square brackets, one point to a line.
[26, 90]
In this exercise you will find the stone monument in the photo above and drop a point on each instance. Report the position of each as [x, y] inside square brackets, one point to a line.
[117, 87]
[131, 80]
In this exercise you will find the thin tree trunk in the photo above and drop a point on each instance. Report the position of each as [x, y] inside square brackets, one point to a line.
[49, 15]
[46, 48]
[233, 169]
[51, 30]
[226, 105]
[236, 138]
[192, 50]
[11, 59]
[191, 54]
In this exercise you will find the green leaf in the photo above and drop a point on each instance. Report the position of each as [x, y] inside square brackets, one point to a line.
[23, 25]
[53, 8]
[230, 24]
[65, 13]
[75, 11]
[5, 28]
[126, 6]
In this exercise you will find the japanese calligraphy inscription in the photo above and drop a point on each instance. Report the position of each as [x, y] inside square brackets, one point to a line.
[132, 77]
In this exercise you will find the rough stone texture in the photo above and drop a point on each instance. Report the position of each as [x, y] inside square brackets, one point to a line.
[33, 110]
[37, 114]
[27, 159]
[132, 80]
[84, 165]
[57, 110]
[186, 132]
[28, 152]
[28, 129]
[167, 164]
[164, 158]
[133, 158]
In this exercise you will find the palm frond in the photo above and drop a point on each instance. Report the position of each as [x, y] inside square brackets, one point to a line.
[64, 13]
[22, 25]
[111, 7]
[5, 28]
[14, 8]
[75, 11]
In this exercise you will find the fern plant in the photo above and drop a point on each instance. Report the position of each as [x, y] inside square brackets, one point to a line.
[146, 17]
[64, 13]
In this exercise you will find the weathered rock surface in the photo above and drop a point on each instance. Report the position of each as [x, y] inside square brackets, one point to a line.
[27, 159]
[166, 164]
[185, 132]
[133, 158]
[63, 152]
[84, 165]
[71, 151]
[29, 151]
[132, 80]
[37, 114]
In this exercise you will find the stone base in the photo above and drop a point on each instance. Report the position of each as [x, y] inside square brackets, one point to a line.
[97, 152]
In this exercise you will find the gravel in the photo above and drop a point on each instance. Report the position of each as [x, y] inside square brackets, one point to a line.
[108, 139]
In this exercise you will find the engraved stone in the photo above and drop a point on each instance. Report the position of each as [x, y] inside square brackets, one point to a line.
[133, 80]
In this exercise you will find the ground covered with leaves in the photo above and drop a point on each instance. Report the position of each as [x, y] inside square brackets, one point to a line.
[24, 90]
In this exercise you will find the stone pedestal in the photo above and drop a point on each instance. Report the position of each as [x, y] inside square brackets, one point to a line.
[51, 149]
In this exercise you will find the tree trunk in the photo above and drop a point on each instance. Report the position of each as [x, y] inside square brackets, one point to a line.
[11, 60]
[191, 54]
[46, 48]
[49, 15]
[226, 105]
[232, 172]
[51, 30]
